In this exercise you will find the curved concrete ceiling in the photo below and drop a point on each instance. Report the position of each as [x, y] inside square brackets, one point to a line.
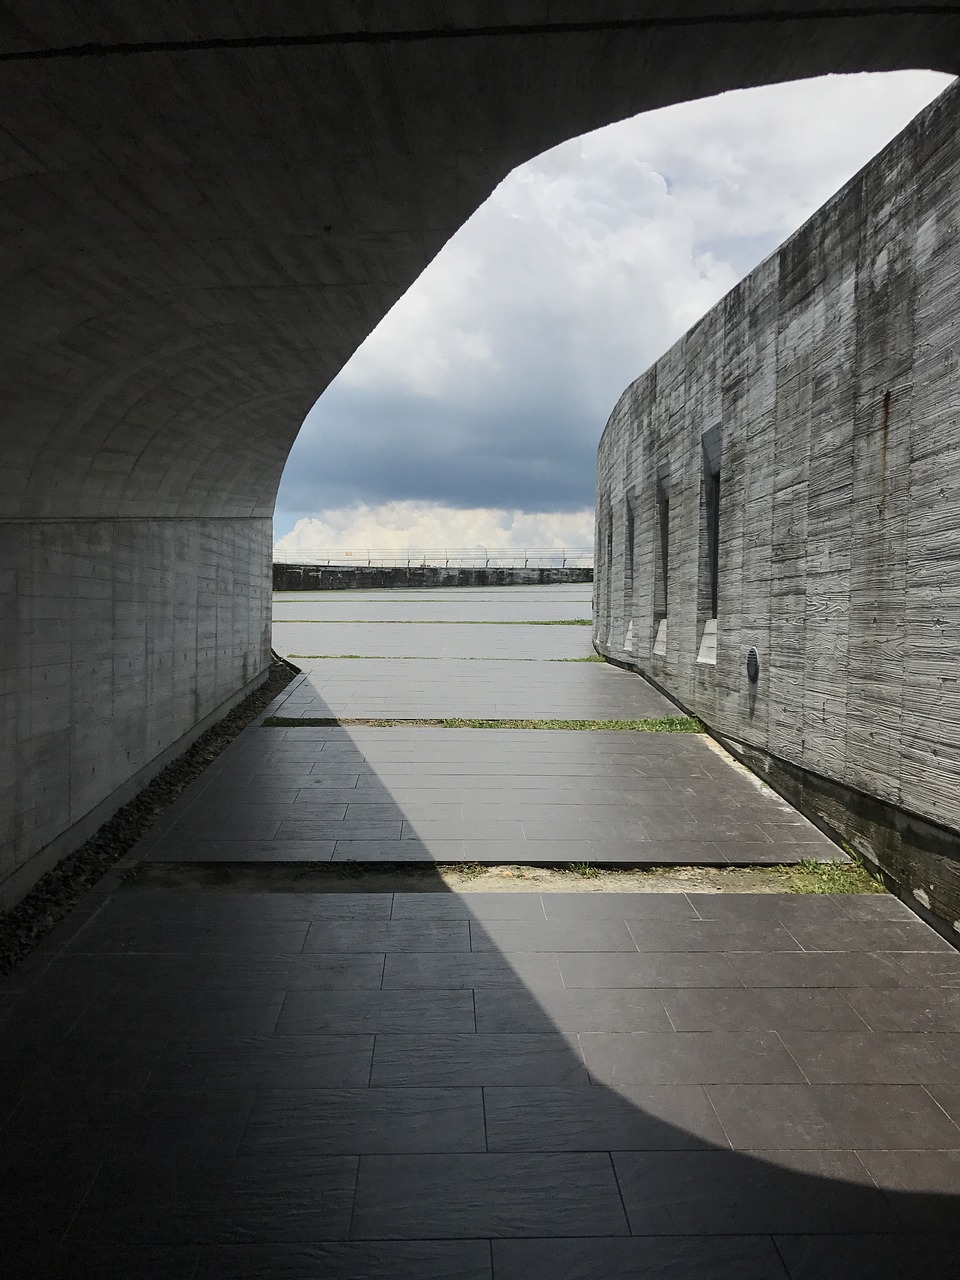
[204, 214]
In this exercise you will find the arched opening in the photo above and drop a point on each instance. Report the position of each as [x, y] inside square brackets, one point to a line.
[127, 168]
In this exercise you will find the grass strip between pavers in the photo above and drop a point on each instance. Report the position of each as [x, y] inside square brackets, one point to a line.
[658, 724]
[421, 657]
[428, 657]
[437, 622]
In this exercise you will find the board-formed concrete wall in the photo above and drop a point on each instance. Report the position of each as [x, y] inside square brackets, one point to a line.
[127, 638]
[826, 388]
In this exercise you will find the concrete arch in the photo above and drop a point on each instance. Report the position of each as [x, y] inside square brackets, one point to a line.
[202, 217]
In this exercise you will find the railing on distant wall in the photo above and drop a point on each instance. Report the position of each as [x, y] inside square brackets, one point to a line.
[446, 557]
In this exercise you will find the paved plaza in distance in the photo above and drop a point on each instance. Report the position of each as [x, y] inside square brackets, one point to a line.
[218, 1080]
[402, 794]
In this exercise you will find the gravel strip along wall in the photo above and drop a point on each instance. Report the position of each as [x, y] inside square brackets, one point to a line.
[59, 890]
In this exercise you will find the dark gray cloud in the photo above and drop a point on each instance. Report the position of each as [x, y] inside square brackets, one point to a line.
[369, 445]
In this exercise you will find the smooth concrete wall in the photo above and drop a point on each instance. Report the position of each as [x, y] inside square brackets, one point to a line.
[117, 639]
[831, 374]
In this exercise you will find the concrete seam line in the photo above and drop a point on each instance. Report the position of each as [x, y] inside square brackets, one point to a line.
[407, 36]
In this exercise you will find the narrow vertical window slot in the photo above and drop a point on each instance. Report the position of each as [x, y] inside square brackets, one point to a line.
[708, 578]
[629, 542]
[712, 486]
[608, 575]
[661, 575]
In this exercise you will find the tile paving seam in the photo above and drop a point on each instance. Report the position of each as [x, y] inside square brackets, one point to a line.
[792, 1057]
[616, 1179]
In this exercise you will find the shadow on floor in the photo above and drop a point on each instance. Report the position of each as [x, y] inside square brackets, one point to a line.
[200, 1083]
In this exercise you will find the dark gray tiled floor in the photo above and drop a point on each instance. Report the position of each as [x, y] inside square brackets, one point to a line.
[182, 1102]
[882, 1256]
[488, 1194]
[370, 794]
[354, 1260]
[443, 795]
[718, 1258]
[437, 638]
[367, 1120]
[461, 604]
[221, 1084]
[222, 1200]
[478, 688]
[806, 1117]
[732, 1193]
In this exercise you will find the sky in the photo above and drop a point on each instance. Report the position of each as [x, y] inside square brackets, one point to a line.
[470, 417]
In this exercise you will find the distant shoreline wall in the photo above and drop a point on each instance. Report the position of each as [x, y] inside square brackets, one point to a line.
[320, 577]
[778, 516]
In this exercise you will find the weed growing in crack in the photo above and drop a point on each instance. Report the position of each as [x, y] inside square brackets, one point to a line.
[810, 876]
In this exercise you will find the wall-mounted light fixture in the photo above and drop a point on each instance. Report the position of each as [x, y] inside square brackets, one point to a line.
[753, 664]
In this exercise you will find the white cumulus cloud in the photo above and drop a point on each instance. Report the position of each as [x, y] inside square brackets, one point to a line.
[402, 526]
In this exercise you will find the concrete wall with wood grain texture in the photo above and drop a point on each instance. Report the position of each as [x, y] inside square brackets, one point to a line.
[120, 642]
[829, 377]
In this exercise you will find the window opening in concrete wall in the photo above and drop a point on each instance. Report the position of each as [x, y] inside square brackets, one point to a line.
[661, 565]
[608, 573]
[712, 503]
[708, 576]
[629, 541]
